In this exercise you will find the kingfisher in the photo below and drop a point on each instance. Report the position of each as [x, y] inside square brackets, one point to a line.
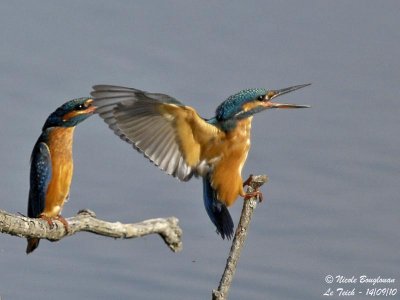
[52, 165]
[176, 139]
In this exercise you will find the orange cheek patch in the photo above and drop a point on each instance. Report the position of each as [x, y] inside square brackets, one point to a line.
[250, 105]
[70, 115]
[75, 113]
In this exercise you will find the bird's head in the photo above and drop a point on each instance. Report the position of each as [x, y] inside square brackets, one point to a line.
[248, 102]
[71, 113]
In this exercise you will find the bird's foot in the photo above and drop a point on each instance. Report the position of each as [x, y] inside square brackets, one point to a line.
[50, 220]
[256, 194]
[63, 221]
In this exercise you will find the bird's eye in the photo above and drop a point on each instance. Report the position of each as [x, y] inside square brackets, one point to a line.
[80, 107]
[260, 98]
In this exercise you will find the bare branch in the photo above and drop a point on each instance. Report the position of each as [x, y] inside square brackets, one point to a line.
[86, 220]
[238, 241]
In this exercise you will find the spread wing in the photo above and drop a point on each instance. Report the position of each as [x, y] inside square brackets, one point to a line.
[171, 135]
[39, 179]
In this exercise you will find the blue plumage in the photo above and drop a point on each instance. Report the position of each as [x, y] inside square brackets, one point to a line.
[56, 119]
[233, 104]
[39, 177]
[217, 211]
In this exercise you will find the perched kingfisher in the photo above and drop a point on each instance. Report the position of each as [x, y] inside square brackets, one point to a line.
[52, 165]
[181, 143]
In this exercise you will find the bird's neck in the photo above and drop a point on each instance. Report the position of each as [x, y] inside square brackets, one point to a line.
[232, 126]
[242, 128]
[60, 139]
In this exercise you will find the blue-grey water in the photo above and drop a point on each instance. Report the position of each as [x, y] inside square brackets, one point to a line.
[332, 204]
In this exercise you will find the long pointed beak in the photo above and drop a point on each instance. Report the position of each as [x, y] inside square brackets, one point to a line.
[276, 93]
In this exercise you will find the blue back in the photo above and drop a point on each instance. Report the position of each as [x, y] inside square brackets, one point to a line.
[39, 177]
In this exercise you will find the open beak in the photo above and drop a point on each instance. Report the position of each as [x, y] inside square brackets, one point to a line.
[90, 107]
[276, 93]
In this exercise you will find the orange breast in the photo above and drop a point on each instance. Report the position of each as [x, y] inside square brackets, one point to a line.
[233, 149]
[60, 145]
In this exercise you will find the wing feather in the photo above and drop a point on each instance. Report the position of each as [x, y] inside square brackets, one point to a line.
[168, 133]
[217, 211]
[39, 179]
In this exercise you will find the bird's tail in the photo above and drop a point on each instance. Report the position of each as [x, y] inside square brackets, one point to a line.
[217, 211]
[32, 245]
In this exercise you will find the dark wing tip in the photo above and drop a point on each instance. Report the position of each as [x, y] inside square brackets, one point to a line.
[217, 211]
[32, 245]
[225, 223]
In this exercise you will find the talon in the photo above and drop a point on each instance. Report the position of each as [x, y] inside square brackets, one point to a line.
[63, 221]
[48, 219]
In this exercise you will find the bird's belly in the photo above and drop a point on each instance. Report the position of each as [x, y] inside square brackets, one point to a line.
[62, 170]
[226, 177]
[58, 190]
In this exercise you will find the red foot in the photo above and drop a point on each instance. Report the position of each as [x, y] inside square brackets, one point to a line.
[50, 220]
[256, 193]
[63, 221]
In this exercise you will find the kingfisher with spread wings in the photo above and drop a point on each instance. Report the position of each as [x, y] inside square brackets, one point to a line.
[181, 143]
